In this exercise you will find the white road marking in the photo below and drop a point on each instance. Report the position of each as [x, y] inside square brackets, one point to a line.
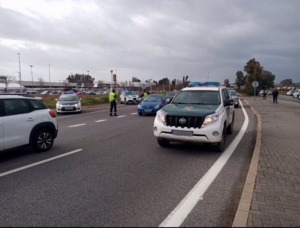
[120, 116]
[77, 125]
[98, 121]
[180, 213]
[62, 117]
[38, 163]
[133, 113]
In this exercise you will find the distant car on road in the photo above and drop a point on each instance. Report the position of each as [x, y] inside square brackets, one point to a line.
[151, 104]
[296, 93]
[68, 103]
[290, 92]
[54, 93]
[170, 96]
[233, 95]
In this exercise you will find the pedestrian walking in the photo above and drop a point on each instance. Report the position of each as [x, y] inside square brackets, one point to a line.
[113, 103]
[275, 95]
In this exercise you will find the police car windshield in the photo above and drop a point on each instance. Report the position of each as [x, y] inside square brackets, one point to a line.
[68, 98]
[198, 97]
[130, 93]
[151, 98]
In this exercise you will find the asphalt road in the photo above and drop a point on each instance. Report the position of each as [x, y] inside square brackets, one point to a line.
[121, 176]
[284, 98]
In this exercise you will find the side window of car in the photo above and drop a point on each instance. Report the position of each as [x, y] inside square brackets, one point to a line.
[37, 105]
[15, 107]
[225, 94]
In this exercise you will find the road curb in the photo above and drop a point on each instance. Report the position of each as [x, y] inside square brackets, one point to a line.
[241, 216]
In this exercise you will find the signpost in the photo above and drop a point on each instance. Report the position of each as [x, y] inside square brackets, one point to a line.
[143, 86]
[255, 84]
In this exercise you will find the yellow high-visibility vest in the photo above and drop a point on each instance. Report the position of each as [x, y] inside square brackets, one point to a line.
[112, 97]
[145, 95]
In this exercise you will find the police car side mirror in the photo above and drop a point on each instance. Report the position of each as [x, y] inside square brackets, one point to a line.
[228, 102]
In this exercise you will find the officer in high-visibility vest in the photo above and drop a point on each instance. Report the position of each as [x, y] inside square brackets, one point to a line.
[113, 102]
[145, 94]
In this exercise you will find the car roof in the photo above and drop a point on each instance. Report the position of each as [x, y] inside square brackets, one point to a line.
[207, 88]
[4, 95]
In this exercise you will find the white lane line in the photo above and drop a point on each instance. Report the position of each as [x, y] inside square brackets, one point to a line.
[98, 121]
[180, 213]
[120, 116]
[38, 163]
[77, 125]
[62, 117]
[133, 113]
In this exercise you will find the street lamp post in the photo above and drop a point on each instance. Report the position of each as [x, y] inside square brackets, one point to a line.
[49, 77]
[111, 78]
[20, 69]
[31, 76]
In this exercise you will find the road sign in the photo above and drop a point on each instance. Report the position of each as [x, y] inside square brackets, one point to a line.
[255, 84]
[143, 86]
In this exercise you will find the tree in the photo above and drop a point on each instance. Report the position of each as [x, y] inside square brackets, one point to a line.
[240, 79]
[226, 83]
[83, 78]
[287, 82]
[8, 79]
[134, 79]
[100, 83]
[41, 82]
[255, 72]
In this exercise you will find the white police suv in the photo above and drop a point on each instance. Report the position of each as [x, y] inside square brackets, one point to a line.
[25, 120]
[201, 113]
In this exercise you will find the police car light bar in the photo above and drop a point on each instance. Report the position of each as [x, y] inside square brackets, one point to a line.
[195, 84]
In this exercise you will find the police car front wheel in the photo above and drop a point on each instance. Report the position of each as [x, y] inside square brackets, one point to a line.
[163, 142]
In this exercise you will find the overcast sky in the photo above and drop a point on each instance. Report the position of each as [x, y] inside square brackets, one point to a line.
[149, 39]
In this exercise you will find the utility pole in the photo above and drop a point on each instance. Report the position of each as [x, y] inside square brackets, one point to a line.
[49, 77]
[20, 70]
[31, 77]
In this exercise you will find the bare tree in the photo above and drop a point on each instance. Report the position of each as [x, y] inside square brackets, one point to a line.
[41, 82]
[8, 80]
[100, 84]
[66, 84]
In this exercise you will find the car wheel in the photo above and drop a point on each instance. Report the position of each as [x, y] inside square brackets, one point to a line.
[43, 140]
[220, 145]
[230, 127]
[163, 142]
[236, 106]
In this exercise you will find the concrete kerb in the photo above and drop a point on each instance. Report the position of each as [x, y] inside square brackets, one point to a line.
[241, 216]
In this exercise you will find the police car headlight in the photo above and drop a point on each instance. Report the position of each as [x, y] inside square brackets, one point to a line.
[161, 116]
[157, 106]
[210, 119]
[78, 104]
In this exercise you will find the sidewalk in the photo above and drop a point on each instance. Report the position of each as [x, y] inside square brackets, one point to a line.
[276, 196]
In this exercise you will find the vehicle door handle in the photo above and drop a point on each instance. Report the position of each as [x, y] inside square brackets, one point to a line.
[30, 119]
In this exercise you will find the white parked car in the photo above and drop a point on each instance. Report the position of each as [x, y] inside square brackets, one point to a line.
[25, 120]
[129, 98]
[296, 93]
[290, 92]
[68, 103]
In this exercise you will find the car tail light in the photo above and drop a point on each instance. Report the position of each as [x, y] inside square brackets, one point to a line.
[52, 114]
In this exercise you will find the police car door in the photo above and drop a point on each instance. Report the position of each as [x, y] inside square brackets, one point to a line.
[229, 109]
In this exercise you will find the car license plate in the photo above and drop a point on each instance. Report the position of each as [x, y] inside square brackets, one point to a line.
[69, 108]
[182, 133]
[148, 110]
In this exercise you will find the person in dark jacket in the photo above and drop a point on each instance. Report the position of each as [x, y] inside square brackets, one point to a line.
[275, 95]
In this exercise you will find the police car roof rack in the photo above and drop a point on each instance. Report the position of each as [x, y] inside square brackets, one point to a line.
[197, 84]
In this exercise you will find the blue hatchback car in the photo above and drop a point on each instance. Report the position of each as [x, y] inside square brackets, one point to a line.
[151, 104]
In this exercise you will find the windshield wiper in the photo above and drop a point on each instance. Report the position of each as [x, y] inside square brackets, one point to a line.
[199, 103]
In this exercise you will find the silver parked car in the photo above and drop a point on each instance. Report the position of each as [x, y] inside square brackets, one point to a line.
[233, 95]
